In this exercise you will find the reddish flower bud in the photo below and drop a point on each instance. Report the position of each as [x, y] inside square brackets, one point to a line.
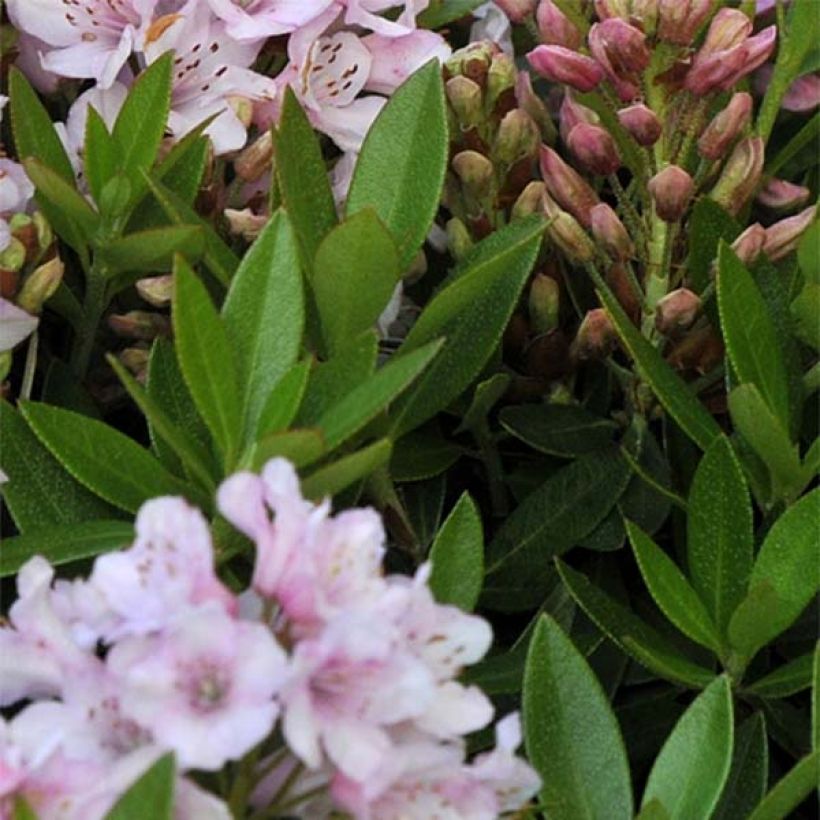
[676, 311]
[749, 245]
[567, 186]
[555, 28]
[783, 237]
[726, 127]
[562, 65]
[741, 175]
[780, 195]
[140, 324]
[596, 337]
[594, 148]
[544, 303]
[534, 106]
[729, 28]
[571, 113]
[256, 159]
[758, 49]
[642, 123]
[517, 10]
[803, 94]
[671, 191]
[621, 50]
[565, 232]
[610, 232]
[679, 20]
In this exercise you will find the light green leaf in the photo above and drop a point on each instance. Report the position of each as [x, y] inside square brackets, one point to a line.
[790, 791]
[335, 477]
[815, 700]
[805, 309]
[441, 12]
[572, 736]
[457, 556]
[153, 791]
[691, 768]
[401, 167]
[100, 155]
[808, 252]
[787, 680]
[153, 250]
[302, 447]
[282, 403]
[749, 773]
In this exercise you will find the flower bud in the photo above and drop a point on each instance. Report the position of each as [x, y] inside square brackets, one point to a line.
[594, 148]
[544, 304]
[466, 100]
[621, 51]
[671, 191]
[562, 65]
[256, 159]
[45, 236]
[784, 236]
[726, 127]
[517, 10]
[803, 94]
[781, 195]
[749, 245]
[676, 311]
[139, 324]
[566, 233]
[475, 172]
[472, 61]
[555, 28]
[609, 231]
[740, 176]
[642, 123]
[571, 113]
[22, 228]
[596, 336]
[517, 137]
[40, 285]
[157, 290]
[135, 360]
[729, 28]
[13, 256]
[459, 240]
[245, 223]
[529, 200]
[500, 80]
[529, 101]
[569, 189]
[242, 108]
[679, 20]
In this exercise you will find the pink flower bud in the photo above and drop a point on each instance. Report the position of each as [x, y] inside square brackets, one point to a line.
[571, 113]
[527, 99]
[780, 195]
[642, 123]
[726, 127]
[606, 9]
[803, 94]
[677, 311]
[784, 236]
[758, 49]
[565, 232]
[610, 232]
[555, 28]
[749, 245]
[562, 65]
[729, 28]
[567, 186]
[679, 20]
[741, 175]
[671, 191]
[139, 324]
[596, 337]
[594, 148]
[621, 51]
[517, 10]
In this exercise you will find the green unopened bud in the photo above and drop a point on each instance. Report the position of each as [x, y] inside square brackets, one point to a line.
[529, 200]
[157, 290]
[45, 236]
[22, 228]
[14, 256]
[472, 61]
[517, 137]
[500, 78]
[566, 233]
[544, 303]
[139, 324]
[527, 99]
[677, 311]
[245, 223]
[40, 285]
[596, 336]
[459, 240]
[256, 159]
[466, 100]
[135, 360]
[740, 176]
[475, 172]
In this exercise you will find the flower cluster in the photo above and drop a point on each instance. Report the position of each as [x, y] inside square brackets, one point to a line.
[154, 653]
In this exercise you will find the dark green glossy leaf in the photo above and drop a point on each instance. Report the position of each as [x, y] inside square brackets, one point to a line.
[441, 12]
[708, 224]
[792, 677]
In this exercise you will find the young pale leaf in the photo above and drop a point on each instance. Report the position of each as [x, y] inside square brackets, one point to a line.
[749, 772]
[355, 273]
[672, 591]
[153, 791]
[400, 171]
[100, 155]
[303, 179]
[339, 475]
[572, 736]
[109, 463]
[153, 250]
[630, 633]
[792, 677]
[691, 769]
[470, 314]
[302, 447]
[282, 404]
[264, 315]
[751, 340]
[206, 359]
[457, 556]
[720, 540]
[790, 791]
[64, 544]
[39, 492]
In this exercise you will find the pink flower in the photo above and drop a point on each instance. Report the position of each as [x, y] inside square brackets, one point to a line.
[563, 65]
[396, 58]
[15, 324]
[204, 687]
[257, 19]
[365, 13]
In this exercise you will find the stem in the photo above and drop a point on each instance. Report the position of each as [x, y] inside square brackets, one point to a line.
[657, 273]
[631, 215]
[31, 366]
[94, 305]
[243, 784]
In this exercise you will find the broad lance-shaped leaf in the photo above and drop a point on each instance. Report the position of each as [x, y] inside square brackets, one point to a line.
[790, 791]
[470, 314]
[100, 155]
[630, 633]
[720, 541]
[749, 773]
[457, 556]
[154, 789]
[264, 315]
[109, 463]
[792, 677]
[691, 769]
[672, 591]
[401, 167]
[282, 404]
[332, 479]
[572, 736]
[206, 359]
[153, 249]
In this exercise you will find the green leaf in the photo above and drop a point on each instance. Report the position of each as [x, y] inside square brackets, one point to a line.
[808, 253]
[790, 791]
[786, 565]
[672, 591]
[653, 810]
[339, 475]
[572, 736]
[206, 359]
[64, 544]
[154, 791]
[558, 429]
[153, 250]
[708, 224]
[302, 447]
[749, 772]
[100, 155]
[422, 454]
[471, 314]
[792, 677]
[303, 179]
[441, 12]
[355, 273]
[720, 539]
[457, 556]
[815, 700]
[39, 492]
[282, 403]
[751, 340]
[551, 520]
[368, 399]
[264, 315]
[109, 463]
[630, 633]
[400, 171]
[691, 769]
[805, 309]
